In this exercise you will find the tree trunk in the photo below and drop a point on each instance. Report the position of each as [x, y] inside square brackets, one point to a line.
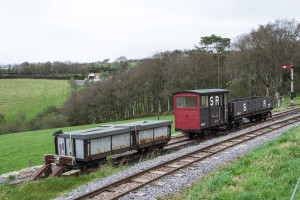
[168, 104]
[133, 109]
[277, 95]
[143, 105]
[159, 106]
[152, 107]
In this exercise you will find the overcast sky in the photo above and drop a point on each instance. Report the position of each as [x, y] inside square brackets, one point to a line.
[93, 30]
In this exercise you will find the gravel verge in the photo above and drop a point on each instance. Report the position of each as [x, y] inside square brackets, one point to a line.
[19, 175]
[171, 184]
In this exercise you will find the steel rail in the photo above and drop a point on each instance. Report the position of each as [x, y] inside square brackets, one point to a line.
[247, 125]
[234, 140]
[188, 141]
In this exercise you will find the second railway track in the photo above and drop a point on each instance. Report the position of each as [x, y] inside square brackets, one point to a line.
[178, 141]
[133, 182]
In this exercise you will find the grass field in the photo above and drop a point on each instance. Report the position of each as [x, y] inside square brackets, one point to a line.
[16, 149]
[271, 171]
[30, 96]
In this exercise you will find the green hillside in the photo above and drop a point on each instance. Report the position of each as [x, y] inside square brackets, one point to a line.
[30, 96]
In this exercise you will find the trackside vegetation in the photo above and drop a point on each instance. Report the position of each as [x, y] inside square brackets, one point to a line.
[271, 171]
[16, 149]
[52, 187]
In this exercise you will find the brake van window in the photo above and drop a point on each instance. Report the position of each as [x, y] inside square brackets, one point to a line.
[190, 102]
[204, 101]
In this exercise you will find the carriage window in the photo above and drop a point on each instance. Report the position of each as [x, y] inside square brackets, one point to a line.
[221, 100]
[204, 101]
[187, 102]
[225, 99]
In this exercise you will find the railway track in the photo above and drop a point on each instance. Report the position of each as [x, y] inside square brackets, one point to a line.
[286, 112]
[132, 183]
[178, 141]
[246, 125]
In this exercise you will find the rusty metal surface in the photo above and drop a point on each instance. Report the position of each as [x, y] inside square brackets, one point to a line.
[110, 138]
[48, 159]
[121, 141]
[160, 133]
[100, 145]
[79, 148]
[145, 136]
[61, 146]
[44, 171]
[69, 147]
[58, 171]
[64, 161]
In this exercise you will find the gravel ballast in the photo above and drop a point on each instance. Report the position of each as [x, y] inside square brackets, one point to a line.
[171, 184]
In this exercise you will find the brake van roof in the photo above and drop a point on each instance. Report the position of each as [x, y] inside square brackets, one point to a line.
[205, 91]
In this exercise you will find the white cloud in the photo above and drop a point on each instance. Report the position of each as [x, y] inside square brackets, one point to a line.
[92, 30]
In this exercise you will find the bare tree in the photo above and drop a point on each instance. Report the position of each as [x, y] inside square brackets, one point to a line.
[269, 47]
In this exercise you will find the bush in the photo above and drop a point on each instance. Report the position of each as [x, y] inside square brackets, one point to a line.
[2, 118]
[13, 127]
[54, 121]
[238, 88]
[22, 116]
[36, 122]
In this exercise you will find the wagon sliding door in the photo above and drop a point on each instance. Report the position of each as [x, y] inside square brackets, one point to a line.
[223, 109]
[215, 109]
[204, 112]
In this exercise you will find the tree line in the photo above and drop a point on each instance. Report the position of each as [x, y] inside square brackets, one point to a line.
[62, 70]
[250, 66]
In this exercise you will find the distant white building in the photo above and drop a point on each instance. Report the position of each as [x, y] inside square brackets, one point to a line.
[94, 77]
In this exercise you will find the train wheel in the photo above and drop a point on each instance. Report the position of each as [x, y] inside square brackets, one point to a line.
[265, 117]
[237, 125]
[161, 147]
[230, 126]
[191, 135]
[140, 151]
[186, 133]
[259, 118]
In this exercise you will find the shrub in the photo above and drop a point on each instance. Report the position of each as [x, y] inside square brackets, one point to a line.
[2, 118]
[238, 88]
[13, 127]
[36, 122]
[54, 120]
[22, 116]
